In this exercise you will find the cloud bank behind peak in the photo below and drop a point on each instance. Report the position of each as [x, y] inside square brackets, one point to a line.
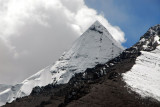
[34, 33]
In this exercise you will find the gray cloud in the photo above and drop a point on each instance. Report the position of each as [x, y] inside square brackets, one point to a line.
[34, 33]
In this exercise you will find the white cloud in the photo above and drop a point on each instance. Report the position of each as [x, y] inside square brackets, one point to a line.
[36, 32]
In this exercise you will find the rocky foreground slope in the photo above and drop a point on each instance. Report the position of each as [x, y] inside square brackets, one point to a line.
[129, 80]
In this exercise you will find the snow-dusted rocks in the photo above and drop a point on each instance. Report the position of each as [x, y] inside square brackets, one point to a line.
[95, 46]
[150, 40]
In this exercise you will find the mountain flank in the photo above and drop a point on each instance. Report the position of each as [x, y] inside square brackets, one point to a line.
[103, 85]
[95, 46]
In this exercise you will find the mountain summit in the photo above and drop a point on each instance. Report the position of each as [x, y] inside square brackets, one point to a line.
[95, 46]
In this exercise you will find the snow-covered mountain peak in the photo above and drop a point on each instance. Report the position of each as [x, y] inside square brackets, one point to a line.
[156, 27]
[95, 46]
[97, 23]
[153, 31]
[99, 28]
[150, 40]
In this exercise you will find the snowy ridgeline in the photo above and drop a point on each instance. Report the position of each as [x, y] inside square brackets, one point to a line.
[144, 77]
[95, 46]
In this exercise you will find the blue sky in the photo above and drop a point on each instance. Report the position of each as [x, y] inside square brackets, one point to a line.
[134, 17]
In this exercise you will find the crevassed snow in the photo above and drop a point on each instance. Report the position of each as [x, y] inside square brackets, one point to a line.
[144, 77]
[95, 46]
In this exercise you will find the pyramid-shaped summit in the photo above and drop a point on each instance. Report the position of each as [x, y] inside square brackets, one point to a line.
[95, 46]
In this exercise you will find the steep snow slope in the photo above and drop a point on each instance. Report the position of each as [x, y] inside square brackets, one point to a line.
[95, 46]
[144, 77]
